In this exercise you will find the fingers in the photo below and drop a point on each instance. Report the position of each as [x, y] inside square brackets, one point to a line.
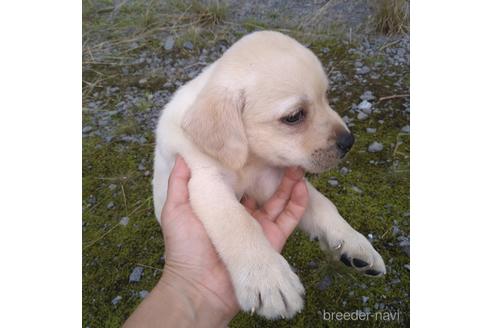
[274, 206]
[177, 188]
[293, 212]
[249, 203]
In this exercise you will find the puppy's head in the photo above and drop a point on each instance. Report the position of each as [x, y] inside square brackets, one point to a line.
[266, 99]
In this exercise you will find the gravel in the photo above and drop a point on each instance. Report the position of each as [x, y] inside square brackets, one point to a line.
[365, 106]
[344, 171]
[116, 300]
[325, 283]
[169, 43]
[87, 129]
[143, 294]
[110, 205]
[362, 116]
[136, 274]
[188, 45]
[333, 182]
[371, 130]
[124, 220]
[405, 129]
[375, 147]
[357, 189]
[367, 95]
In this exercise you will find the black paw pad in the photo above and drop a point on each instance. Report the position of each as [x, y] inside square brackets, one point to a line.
[359, 263]
[345, 260]
[372, 272]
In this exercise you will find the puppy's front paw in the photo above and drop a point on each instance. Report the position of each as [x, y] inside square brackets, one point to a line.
[354, 250]
[268, 286]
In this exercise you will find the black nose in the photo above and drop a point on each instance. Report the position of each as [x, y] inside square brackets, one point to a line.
[345, 142]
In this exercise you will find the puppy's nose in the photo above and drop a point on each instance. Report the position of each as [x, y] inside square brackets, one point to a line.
[344, 142]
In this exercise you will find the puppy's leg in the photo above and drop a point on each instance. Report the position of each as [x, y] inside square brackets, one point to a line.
[263, 280]
[335, 235]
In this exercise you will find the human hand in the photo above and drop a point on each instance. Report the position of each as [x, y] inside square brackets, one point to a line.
[194, 274]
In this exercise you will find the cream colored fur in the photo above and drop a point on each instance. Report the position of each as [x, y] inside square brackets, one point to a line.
[226, 123]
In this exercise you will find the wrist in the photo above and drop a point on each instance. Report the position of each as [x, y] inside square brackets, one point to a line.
[197, 305]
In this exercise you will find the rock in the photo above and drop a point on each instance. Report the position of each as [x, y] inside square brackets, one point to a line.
[365, 106]
[143, 294]
[136, 274]
[362, 116]
[365, 299]
[169, 43]
[325, 283]
[333, 182]
[116, 300]
[87, 129]
[375, 147]
[124, 220]
[405, 129]
[357, 189]
[346, 119]
[371, 130]
[112, 187]
[312, 265]
[363, 70]
[188, 45]
[110, 205]
[407, 266]
[370, 236]
[396, 230]
[344, 171]
[367, 95]
[141, 167]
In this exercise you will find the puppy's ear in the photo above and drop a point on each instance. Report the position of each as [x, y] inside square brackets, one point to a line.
[215, 124]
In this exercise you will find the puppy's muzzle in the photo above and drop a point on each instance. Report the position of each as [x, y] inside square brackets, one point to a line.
[344, 142]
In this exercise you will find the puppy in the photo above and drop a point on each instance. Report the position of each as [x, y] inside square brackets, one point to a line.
[259, 108]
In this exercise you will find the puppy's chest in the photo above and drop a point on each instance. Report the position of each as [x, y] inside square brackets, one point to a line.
[259, 184]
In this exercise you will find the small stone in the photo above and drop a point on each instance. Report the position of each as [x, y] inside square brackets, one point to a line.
[124, 220]
[188, 45]
[371, 130]
[396, 230]
[169, 43]
[405, 129]
[143, 294]
[344, 171]
[112, 187]
[407, 266]
[357, 189]
[141, 167]
[365, 106]
[367, 95]
[110, 205]
[147, 173]
[363, 70]
[312, 265]
[362, 116]
[333, 182]
[325, 283]
[346, 119]
[375, 147]
[136, 274]
[116, 300]
[365, 299]
[87, 129]
[142, 81]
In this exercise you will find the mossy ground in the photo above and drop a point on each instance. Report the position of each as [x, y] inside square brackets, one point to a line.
[112, 174]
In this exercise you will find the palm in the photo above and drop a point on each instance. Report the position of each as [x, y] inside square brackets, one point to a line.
[188, 247]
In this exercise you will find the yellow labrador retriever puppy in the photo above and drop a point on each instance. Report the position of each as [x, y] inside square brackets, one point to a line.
[259, 108]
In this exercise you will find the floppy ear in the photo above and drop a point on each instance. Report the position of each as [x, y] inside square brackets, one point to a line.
[215, 124]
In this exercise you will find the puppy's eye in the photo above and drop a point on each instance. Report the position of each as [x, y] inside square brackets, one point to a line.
[294, 118]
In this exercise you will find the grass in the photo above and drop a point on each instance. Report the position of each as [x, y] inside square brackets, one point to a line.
[111, 170]
[392, 17]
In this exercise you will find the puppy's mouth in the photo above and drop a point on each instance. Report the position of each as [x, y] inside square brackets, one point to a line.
[323, 159]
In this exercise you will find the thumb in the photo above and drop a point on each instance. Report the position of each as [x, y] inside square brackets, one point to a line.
[177, 187]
